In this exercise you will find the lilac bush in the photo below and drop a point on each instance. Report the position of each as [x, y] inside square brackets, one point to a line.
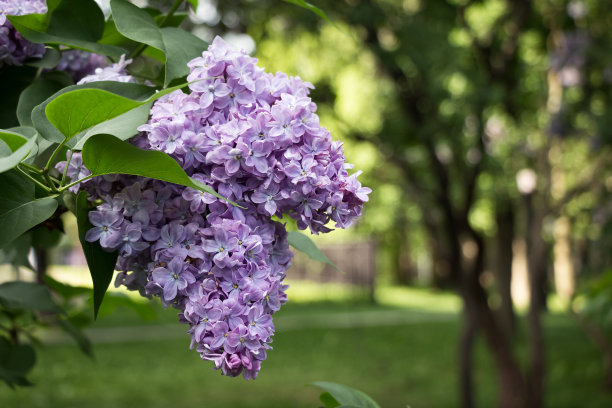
[255, 138]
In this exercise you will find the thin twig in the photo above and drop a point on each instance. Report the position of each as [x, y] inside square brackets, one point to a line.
[41, 185]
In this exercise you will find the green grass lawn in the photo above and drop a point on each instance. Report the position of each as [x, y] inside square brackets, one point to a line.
[405, 364]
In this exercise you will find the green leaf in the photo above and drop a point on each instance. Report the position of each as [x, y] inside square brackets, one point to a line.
[19, 210]
[311, 7]
[16, 253]
[127, 90]
[20, 295]
[74, 23]
[20, 148]
[16, 361]
[178, 46]
[122, 127]
[101, 263]
[328, 401]
[347, 396]
[81, 109]
[38, 92]
[194, 3]
[303, 243]
[105, 154]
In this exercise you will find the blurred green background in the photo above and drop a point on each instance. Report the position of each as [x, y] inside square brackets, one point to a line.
[483, 128]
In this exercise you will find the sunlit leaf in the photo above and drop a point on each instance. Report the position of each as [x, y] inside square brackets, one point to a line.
[50, 132]
[20, 147]
[105, 154]
[81, 109]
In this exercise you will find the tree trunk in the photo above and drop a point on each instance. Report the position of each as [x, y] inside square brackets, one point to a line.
[41, 264]
[565, 283]
[466, 349]
[400, 257]
[512, 386]
[536, 263]
[503, 268]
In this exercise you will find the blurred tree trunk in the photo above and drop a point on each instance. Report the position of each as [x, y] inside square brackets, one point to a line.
[400, 254]
[466, 351]
[565, 282]
[536, 264]
[42, 261]
[503, 267]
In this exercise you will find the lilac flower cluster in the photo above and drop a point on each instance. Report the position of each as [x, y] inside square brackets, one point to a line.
[14, 49]
[255, 138]
[114, 72]
[79, 64]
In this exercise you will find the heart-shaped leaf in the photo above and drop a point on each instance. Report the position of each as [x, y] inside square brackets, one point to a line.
[105, 154]
[81, 109]
[50, 132]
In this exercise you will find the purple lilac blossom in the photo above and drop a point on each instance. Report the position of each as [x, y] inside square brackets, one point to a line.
[255, 138]
[115, 72]
[14, 49]
[79, 64]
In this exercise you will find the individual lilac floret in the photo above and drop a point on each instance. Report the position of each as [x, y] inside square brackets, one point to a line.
[173, 279]
[14, 49]
[106, 228]
[255, 138]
